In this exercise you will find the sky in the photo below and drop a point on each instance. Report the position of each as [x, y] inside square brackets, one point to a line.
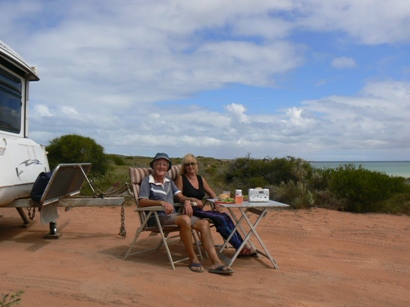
[313, 79]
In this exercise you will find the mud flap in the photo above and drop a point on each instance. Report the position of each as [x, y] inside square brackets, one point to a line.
[49, 213]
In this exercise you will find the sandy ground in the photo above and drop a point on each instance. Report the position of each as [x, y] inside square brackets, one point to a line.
[325, 258]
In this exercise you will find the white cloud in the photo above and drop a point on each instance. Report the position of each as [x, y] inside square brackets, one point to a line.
[238, 112]
[69, 111]
[388, 91]
[367, 21]
[343, 62]
[42, 110]
[374, 120]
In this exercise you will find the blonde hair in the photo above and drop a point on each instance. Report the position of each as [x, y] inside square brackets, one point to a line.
[189, 158]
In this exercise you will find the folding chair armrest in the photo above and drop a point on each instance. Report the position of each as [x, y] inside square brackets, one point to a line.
[178, 207]
[150, 208]
[210, 203]
[157, 208]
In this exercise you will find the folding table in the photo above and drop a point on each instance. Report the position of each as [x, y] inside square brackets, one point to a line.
[257, 208]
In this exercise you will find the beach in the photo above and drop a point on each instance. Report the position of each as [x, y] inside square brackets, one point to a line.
[325, 258]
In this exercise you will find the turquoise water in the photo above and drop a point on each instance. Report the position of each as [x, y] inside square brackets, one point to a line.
[392, 168]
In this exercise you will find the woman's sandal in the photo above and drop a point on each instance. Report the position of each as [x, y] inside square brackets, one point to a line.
[247, 253]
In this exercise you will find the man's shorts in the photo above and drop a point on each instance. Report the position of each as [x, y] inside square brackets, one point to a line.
[169, 219]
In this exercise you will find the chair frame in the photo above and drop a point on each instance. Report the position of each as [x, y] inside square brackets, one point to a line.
[136, 175]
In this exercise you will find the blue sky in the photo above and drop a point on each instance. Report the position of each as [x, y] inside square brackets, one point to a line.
[314, 79]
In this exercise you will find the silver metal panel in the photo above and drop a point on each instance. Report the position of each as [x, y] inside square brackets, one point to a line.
[67, 180]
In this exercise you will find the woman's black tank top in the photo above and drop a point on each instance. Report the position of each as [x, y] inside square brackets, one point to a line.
[190, 191]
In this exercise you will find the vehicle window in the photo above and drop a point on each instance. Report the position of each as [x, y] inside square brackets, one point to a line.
[10, 102]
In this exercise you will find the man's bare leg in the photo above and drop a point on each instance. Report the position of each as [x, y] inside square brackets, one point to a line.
[184, 223]
[208, 243]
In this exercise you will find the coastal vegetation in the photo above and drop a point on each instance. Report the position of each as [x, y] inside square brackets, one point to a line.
[290, 180]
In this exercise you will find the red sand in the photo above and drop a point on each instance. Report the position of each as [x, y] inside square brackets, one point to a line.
[325, 258]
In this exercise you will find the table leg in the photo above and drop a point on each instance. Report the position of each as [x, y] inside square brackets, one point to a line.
[238, 225]
[247, 236]
[232, 232]
[255, 233]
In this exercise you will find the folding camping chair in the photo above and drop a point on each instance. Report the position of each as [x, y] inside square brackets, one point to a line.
[137, 174]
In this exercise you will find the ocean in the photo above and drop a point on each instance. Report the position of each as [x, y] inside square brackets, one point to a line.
[391, 168]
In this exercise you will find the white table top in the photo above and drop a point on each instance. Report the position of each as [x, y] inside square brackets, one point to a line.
[247, 204]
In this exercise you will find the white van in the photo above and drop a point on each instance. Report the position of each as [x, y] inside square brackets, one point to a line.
[21, 159]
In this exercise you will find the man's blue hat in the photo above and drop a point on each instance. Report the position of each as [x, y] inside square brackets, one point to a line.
[161, 155]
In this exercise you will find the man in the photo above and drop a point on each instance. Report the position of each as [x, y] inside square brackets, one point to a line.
[159, 190]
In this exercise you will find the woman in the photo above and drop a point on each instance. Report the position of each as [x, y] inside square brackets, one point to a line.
[159, 190]
[195, 187]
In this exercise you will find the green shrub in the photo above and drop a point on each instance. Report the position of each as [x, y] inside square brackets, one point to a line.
[397, 204]
[114, 177]
[74, 148]
[257, 182]
[328, 200]
[363, 189]
[297, 195]
[8, 300]
[117, 160]
[249, 172]
[320, 179]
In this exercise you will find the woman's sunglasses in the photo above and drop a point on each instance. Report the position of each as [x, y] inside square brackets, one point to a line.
[190, 164]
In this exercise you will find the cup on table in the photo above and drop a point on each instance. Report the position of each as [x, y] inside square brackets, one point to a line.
[227, 193]
[239, 199]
